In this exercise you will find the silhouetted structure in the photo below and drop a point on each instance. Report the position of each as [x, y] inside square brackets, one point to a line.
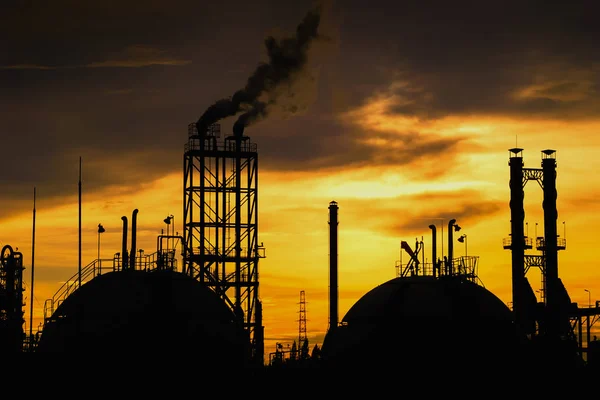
[333, 265]
[427, 315]
[302, 319]
[430, 314]
[553, 325]
[221, 222]
[11, 300]
[137, 312]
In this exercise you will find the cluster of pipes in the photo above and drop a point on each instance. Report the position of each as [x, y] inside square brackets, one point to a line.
[129, 262]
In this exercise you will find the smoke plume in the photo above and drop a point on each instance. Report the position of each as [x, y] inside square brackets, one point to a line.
[287, 57]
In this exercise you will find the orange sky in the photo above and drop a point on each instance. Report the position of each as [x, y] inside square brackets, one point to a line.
[378, 207]
[402, 130]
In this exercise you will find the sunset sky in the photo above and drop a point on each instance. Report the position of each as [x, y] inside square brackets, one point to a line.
[403, 113]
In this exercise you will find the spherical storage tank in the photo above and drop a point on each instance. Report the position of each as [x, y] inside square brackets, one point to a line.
[147, 312]
[423, 320]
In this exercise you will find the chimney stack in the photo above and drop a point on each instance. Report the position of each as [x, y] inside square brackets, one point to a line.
[238, 129]
[333, 265]
[553, 290]
[124, 244]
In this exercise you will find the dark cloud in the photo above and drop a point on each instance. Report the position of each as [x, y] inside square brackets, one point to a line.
[470, 57]
[340, 145]
[458, 58]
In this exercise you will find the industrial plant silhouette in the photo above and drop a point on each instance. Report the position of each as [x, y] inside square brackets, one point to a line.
[429, 314]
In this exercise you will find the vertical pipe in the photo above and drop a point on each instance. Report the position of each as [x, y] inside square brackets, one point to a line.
[333, 265]
[259, 335]
[133, 238]
[258, 329]
[433, 249]
[422, 255]
[186, 250]
[224, 216]
[202, 206]
[517, 217]
[552, 293]
[450, 246]
[124, 244]
[238, 220]
[32, 275]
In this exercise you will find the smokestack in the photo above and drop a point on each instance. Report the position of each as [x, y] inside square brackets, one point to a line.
[133, 238]
[238, 129]
[124, 244]
[433, 249]
[550, 240]
[287, 57]
[333, 265]
[517, 216]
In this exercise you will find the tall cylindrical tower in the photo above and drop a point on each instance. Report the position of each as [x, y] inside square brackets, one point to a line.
[333, 265]
[517, 217]
[550, 241]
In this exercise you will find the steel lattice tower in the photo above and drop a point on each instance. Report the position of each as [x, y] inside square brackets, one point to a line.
[302, 320]
[221, 248]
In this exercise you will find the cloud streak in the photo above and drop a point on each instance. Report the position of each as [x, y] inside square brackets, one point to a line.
[131, 57]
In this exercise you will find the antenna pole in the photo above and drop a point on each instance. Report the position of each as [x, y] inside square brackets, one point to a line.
[79, 222]
[32, 268]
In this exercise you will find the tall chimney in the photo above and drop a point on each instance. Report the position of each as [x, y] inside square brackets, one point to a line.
[517, 247]
[133, 239]
[124, 244]
[333, 265]
[433, 249]
[550, 240]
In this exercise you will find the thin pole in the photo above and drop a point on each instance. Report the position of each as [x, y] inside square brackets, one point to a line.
[32, 269]
[79, 222]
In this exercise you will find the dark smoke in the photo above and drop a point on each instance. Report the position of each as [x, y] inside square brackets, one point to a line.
[286, 57]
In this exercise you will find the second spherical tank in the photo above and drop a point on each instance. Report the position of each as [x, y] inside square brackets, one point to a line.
[424, 320]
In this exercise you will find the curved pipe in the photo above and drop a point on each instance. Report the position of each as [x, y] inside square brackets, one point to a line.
[133, 238]
[124, 245]
[433, 248]
[450, 246]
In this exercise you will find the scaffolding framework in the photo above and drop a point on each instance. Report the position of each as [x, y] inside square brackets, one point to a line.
[221, 248]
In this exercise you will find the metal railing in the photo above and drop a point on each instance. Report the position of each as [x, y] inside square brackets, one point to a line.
[146, 262]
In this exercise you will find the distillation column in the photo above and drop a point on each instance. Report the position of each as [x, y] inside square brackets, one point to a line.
[517, 217]
[220, 210]
[553, 286]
